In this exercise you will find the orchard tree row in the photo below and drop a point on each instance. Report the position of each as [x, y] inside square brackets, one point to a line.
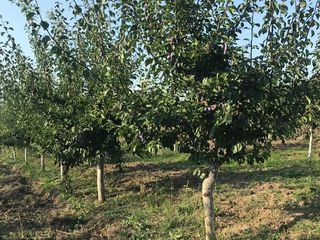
[132, 76]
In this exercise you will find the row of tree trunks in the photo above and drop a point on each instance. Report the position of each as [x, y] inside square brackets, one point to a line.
[63, 172]
[101, 191]
[41, 159]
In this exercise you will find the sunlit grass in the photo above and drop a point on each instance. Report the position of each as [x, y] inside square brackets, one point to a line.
[157, 197]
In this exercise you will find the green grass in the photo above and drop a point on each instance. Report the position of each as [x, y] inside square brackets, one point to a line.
[158, 198]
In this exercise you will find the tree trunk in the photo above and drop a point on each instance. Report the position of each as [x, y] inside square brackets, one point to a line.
[14, 154]
[310, 143]
[208, 186]
[62, 174]
[175, 148]
[100, 182]
[42, 162]
[25, 156]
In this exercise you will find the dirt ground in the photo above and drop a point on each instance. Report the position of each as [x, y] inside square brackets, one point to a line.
[28, 212]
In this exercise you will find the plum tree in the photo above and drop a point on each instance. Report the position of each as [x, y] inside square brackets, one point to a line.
[200, 88]
[77, 85]
[217, 100]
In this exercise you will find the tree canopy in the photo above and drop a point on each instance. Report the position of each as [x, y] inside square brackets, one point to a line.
[130, 76]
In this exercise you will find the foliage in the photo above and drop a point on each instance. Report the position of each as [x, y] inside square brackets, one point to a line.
[131, 76]
[212, 97]
[77, 87]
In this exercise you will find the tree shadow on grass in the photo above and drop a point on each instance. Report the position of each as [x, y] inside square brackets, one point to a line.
[291, 146]
[310, 211]
[179, 176]
[307, 208]
[239, 179]
[173, 178]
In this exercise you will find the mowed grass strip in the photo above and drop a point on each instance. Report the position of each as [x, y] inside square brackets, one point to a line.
[159, 198]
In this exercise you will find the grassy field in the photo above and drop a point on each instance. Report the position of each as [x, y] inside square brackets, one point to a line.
[159, 198]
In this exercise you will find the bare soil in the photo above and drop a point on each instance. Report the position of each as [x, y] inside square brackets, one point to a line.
[27, 212]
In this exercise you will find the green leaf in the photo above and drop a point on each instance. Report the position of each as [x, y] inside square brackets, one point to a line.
[77, 9]
[302, 5]
[148, 61]
[30, 15]
[44, 25]
[86, 73]
[203, 176]
[237, 148]
[308, 100]
[55, 50]
[45, 39]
